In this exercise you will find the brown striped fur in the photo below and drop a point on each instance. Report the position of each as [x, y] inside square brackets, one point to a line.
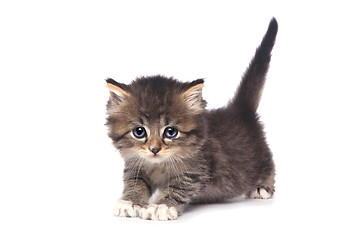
[219, 154]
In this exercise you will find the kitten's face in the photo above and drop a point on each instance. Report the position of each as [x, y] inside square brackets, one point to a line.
[156, 119]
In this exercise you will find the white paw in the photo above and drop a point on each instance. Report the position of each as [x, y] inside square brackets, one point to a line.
[260, 193]
[125, 208]
[264, 194]
[160, 212]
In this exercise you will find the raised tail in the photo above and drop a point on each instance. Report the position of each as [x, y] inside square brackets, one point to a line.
[248, 95]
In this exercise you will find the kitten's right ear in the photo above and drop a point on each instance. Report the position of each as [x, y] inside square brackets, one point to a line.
[118, 91]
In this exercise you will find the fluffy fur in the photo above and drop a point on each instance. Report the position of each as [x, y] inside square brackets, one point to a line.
[171, 143]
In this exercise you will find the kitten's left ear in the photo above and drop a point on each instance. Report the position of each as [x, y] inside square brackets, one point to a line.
[118, 91]
[193, 96]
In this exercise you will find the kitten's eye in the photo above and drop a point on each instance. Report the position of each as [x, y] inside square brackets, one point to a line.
[170, 132]
[139, 132]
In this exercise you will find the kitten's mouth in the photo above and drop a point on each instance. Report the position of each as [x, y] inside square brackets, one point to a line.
[155, 158]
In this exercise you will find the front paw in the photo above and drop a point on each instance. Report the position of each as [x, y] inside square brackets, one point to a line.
[159, 212]
[125, 208]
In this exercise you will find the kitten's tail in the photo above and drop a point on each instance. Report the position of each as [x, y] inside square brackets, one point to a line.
[248, 95]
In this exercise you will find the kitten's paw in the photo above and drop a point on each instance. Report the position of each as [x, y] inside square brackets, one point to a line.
[159, 212]
[262, 193]
[125, 208]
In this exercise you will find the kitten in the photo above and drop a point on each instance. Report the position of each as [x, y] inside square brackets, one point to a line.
[171, 143]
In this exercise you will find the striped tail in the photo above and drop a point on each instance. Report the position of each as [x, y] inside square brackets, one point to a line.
[248, 95]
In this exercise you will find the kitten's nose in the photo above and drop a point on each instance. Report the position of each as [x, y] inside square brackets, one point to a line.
[154, 149]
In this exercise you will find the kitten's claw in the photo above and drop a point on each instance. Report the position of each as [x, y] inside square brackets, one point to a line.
[159, 212]
[125, 208]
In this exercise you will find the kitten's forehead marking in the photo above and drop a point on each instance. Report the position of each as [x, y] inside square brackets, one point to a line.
[144, 114]
[157, 123]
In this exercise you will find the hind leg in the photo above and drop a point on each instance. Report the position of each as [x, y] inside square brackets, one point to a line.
[265, 189]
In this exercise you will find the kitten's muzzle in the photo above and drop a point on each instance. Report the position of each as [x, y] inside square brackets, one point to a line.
[154, 149]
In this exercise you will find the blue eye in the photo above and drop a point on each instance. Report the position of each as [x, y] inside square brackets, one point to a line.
[170, 132]
[139, 132]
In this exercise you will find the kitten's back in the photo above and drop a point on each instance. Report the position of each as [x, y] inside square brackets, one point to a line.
[237, 149]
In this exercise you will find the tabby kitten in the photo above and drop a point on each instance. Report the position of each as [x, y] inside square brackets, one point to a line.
[171, 143]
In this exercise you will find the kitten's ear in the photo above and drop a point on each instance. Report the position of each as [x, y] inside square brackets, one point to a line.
[193, 96]
[118, 91]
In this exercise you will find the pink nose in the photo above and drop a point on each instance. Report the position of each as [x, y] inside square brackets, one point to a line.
[154, 150]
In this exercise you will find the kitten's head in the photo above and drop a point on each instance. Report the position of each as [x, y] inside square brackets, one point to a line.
[156, 118]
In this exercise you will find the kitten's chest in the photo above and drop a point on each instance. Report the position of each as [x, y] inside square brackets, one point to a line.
[158, 176]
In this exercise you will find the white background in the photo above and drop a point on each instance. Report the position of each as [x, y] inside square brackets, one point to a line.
[59, 173]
